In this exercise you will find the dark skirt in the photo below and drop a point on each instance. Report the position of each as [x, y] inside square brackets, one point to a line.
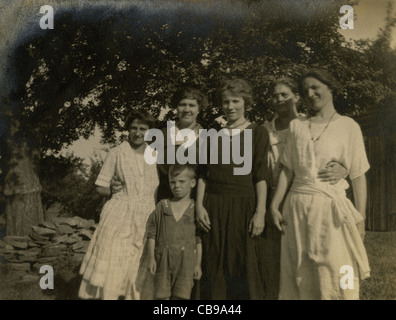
[230, 264]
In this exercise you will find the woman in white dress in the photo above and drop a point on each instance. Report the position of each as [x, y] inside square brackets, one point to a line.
[285, 98]
[322, 251]
[111, 263]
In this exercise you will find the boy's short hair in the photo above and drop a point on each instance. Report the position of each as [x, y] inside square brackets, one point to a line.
[176, 169]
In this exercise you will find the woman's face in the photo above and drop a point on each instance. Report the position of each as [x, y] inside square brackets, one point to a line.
[187, 111]
[316, 93]
[137, 129]
[284, 99]
[233, 106]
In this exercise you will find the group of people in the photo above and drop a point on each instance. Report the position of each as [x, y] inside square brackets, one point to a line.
[285, 230]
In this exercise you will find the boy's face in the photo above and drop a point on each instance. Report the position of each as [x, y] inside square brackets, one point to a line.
[181, 184]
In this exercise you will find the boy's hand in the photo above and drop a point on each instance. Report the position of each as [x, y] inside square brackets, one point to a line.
[152, 266]
[197, 272]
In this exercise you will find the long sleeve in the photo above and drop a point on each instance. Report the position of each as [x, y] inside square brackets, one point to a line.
[260, 151]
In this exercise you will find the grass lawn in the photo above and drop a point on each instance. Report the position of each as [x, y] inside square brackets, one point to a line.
[381, 249]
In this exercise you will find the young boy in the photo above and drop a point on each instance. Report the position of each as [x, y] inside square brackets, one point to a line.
[175, 251]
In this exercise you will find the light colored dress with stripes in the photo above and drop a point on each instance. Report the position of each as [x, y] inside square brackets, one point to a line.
[111, 263]
[322, 253]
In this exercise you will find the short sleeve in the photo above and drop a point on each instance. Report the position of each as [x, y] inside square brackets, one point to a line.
[286, 156]
[260, 151]
[152, 223]
[107, 171]
[356, 162]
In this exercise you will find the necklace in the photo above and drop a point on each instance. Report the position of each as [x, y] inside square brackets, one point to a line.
[324, 129]
[236, 125]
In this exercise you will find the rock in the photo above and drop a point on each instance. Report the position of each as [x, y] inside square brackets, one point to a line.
[45, 232]
[73, 239]
[48, 225]
[85, 234]
[79, 245]
[72, 222]
[28, 253]
[86, 224]
[2, 244]
[37, 237]
[30, 278]
[53, 251]
[28, 258]
[65, 229]
[8, 247]
[8, 250]
[18, 244]
[11, 258]
[42, 243]
[46, 260]
[33, 244]
[78, 257]
[35, 249]
[16, 238]
[24, 266]
[60, 239]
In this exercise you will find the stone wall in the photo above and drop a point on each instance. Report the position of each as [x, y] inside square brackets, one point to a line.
[47, 244]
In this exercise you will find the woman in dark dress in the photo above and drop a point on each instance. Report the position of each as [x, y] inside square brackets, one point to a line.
[188, 102]
[231, 208]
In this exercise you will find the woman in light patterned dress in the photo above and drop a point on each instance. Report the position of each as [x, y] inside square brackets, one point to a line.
[285, 97]
[322, 252]
[110, 266]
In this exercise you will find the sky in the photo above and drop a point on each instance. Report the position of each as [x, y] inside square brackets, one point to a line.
[369, 16]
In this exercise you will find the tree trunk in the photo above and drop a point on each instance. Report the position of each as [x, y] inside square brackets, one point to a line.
[22, 191]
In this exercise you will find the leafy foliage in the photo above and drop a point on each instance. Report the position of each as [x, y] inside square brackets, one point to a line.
[72, 183]
[99, 63]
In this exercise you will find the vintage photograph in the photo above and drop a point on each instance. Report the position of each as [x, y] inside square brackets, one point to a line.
[198, 150]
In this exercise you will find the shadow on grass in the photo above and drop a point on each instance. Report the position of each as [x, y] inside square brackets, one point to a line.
[66, 285]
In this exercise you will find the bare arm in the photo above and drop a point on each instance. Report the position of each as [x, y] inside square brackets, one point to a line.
[198, 268]
[285, 178]
[359, 187]
[256, 225]
[103, 191]
[151, 257]
[202, 216]
[332, 173]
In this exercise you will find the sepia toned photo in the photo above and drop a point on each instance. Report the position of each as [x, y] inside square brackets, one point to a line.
[198, 150]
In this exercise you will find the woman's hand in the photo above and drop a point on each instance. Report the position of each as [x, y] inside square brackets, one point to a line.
[332, 173]
[257, 223]
[116, 184]
[278, 219]
[202, 218]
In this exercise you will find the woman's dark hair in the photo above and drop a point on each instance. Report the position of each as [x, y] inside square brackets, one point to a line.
[142, 115]
[189, 93]
[238, 87]
[288, 82]
[323, 76]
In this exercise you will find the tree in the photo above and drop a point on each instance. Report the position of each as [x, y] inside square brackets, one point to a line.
[98, 64]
